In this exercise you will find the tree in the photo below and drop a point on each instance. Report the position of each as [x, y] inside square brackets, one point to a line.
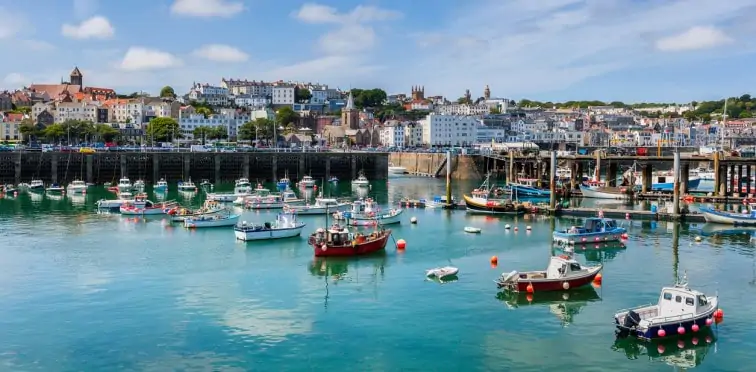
[218, 133]
[464, 101]
[286, 115]
[302, 95]
[744, 115]
[163, 128]
[106, 133]
[289, 129]
[372, 98]
[202, 133]
[167, 92]
[246, 131]
[494, 110]
[54, 132]
[204, 111]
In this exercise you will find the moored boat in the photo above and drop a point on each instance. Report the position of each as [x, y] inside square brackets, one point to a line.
[442, 272]
[206, 184]
[284, 182]
[139, 185]
[563, 273]
[602, 192]
[338, 241]
[77, 187]
[307, 181]
[526, 188]
[472, 230]
[745, 218]
[394, 170]
[665, 181]
[480, 201]
[321, 206]
[366, 213]
[146, 208]
[333, 179]
[263, 200]
[187, 185]
[36, 186]
[210, 208]
[678, 310]
[595, 230]
[215, 220]
[55, 188]
[361, 180]
[124, 185]
[439, 201]
[285, 226]
[123, 198]
[242, 186]
[161, 186]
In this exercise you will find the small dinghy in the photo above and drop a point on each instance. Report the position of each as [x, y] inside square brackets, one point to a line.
[442, 272]
[472, 230]
[678, 310]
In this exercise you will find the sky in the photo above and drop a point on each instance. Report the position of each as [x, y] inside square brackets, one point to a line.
[550, 50]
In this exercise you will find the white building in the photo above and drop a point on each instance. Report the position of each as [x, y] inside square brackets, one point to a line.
[157, 108]
[212, 95]
[392, 134]
[246, 100]
[449, 130]
[486, 134]
[319, 96]
[75, 111]
[283, 95]
[189, 122]
[252, 88]
[462, 109]
[127, 111]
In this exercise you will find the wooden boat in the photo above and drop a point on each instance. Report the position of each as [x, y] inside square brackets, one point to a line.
[338, 241]
[215, 220]
[285, 226]
[366, 213]
[745, 218]
[472, 230]
[678, 310]
[481, 202]
[321, 206]
[442, 272]
[595, 230]
[563, 273]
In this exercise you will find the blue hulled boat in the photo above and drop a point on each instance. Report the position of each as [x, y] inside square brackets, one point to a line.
[745, 218]
[678, 311]
[595, 230]
[526, 189]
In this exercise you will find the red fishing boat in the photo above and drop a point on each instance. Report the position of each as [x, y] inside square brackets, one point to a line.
[563, 273]
[338, 241]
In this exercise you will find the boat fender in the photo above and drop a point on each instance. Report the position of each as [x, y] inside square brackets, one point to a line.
[324, 247]
[566, 285]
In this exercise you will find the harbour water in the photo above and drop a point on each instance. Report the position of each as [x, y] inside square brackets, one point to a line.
[83, 291]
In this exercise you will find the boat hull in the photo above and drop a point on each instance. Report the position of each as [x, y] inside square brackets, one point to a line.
[385, 219]
[274, 205]
[142, 211]
[670, 328]
[269, 234]
[727, 218]
[588, 238]
[599, 193]
[351, 250]
[317, 210]
[76, 190]
[474, 206]
[527, 192]
[547, 285]
[191, 223]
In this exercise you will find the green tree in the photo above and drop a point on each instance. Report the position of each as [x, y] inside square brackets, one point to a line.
[218, 133]
[204, 111]
[55, 132]
[495, 110]
[745, 115]
[368, 98]
[106, 133]
[197, 105]
[202, 133]
[163, 129]
[390, 111]
[246, 131]
[302, 95]
[289, 129]
[167, 92]
[286, 115]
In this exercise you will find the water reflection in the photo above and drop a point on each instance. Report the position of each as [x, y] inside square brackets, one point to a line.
[362, 272]
[564, 305]
[686, 352]
[595, 253]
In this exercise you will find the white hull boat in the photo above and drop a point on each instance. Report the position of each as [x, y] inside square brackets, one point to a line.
[77, 187]
[746, 218]
[285, 226]
[55, 189]
[472, 230]
[124, 185]
[361, 181]
[307, 181]
[36, 186]
[139, 185]
[396, 171]
[321, 207]
[602, 192]
[187, 186]
[211, 221]
[442, 272]
[226, 197]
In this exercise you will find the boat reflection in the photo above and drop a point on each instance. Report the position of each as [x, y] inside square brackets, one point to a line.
[727, 233]
[595, 252]
[564, 305]
[688, 352]
[348, 270]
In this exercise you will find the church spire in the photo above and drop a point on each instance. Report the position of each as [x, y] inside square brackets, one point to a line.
[350, 102]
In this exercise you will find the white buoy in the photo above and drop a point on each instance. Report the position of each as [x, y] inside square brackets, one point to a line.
[528, 228]
[413, 220]
[507, 226]
[698, 239]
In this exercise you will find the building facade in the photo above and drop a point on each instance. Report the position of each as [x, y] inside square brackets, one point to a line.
[283, 95]
[449, 130]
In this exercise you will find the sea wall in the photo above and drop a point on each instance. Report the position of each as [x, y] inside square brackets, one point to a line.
[218, 167]
[464, 167]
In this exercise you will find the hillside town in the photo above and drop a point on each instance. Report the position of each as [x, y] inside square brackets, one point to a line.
[299, 114]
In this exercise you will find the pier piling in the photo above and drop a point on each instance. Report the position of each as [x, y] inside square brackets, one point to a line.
[676, 187]
[90, 169]
[54, 168]
[552, 180]
[448, 179]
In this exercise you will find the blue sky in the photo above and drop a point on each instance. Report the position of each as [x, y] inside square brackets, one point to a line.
[630, 50]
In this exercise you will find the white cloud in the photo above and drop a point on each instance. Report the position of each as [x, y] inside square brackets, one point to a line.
[11, 23]
[221, 53]
[317, 13]
[348, 39]
[14, 79]
[693, 39]
[97, 27]
[207, 8]
[549, 45]
[139, 59]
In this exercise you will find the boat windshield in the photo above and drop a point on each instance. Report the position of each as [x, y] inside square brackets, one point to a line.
[610, 224]
[702, 301]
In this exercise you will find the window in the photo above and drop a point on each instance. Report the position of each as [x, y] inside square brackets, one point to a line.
[702, 301]
[678, 299]
[689, 301]
[667, 296]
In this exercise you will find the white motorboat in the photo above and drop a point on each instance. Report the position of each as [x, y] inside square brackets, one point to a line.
[361, 181]
[206, 184]
[77, 187]
[124, 184]
[211, 221]
[439, 201]
[442, 272]
[227, 197]
[263, 201]
[745, 218]
[321, 206]
[36, 186]
[678, 310]
[187, 186]
[290, 197]
[394, 170]
[601, 192]
[242, 186]
[139, 185]
[366, 213]
[161, 186]
[179, 214]
[123, 198]
[55, 188]
[472, 230]
[285, 226]
[307, 181]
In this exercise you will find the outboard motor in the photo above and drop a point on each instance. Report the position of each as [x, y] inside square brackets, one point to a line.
[632, 319]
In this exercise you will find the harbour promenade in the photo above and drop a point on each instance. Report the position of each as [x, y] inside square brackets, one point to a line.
[61, 167]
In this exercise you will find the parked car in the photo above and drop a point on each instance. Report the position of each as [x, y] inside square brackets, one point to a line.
[87, 150]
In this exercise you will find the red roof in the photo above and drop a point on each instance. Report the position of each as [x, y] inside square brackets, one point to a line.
[13, 117]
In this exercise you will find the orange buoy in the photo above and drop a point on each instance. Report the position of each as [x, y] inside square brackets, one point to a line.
[598, 278]
[529, 297]
[719, 314]
[494, 260]
[401, 244]
[529, 289]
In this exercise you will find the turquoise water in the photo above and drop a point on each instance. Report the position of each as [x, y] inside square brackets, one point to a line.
[93, 292]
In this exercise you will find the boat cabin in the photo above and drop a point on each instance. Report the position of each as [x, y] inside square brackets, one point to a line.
[594, 225]
[363, 206]
[562, 266]
[680, 300]
[335, 235]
